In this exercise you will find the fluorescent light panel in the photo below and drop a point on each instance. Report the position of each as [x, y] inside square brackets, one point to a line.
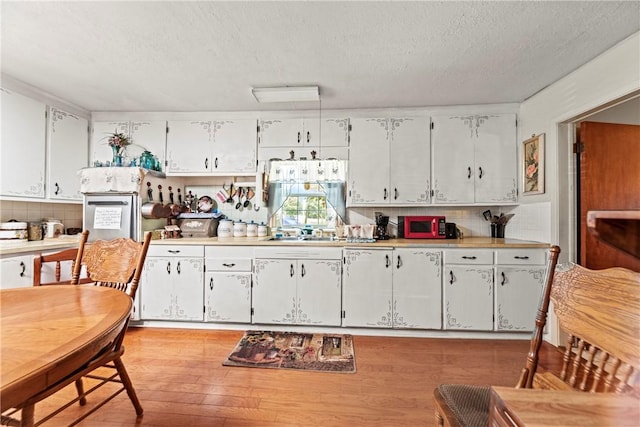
[286, 94]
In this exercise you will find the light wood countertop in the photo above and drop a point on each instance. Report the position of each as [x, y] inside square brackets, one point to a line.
[13, 247]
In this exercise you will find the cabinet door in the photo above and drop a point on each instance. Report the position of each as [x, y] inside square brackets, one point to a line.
[319, 292]
[188, 292]
[495, 159]
[99, 149]
[234, 146]
[367, 288]
[228, 297]
[518, 291]
[417, 285]
[22, 152]
[150, 136]
[68, 152]
[369, 162]
[156, 289]
[410, 161]
[274, 291]
[333, 133]
[16, 272]
[189, 147]
[468, 298]
[281, 133]
[453, 159]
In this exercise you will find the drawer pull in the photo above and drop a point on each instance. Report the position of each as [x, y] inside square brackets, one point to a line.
[291, 273]
[168, 267]
[387, 262]
[302, 271]
[178, 267]
[229, 265]
[24, 268]
[451, 277]
[504, 279]
[173, 251]
[399, 262]
[211, 283]
[521, 257]
[468, 257]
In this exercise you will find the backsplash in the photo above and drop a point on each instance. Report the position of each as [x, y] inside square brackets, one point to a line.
[70, 214]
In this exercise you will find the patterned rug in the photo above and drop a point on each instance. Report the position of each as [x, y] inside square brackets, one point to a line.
[294, 350]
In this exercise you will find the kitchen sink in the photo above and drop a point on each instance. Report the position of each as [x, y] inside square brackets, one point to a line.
[303, 239]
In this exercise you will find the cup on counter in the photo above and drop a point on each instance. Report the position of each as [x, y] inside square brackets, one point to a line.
[497, 231]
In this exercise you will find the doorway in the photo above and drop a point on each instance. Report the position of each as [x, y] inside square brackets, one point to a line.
[607, 178]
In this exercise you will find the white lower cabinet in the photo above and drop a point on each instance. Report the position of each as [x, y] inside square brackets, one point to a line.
[16, 271]
[468, 289]
[392, 288]
[520, 275]
[172, 283]
[297, 286]
[227, 284]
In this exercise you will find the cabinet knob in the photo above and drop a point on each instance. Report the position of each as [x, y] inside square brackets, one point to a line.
[215, 163]
[206, 163]
[451, 277]
[388, 261]
[298, 137]
[469, 172]
[308, 137]
[57, 189]
[168, 267]
[504, 279]
[211, 283]
[395, 194]
[24, 268]
[480, 171]
[178, 267]
[291, 272]
[385, 194]
[302, 271]
[399, 262]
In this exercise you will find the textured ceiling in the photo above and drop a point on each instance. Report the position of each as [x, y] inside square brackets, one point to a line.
[206, 55]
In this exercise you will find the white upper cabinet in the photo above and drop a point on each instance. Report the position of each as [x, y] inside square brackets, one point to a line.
[68, 152]
[474, 159]
[324, 138]
[223, 147]
[22, 154]
[145, 135]
[389, 161]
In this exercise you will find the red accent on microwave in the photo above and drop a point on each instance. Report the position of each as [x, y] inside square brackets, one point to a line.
[421, 227]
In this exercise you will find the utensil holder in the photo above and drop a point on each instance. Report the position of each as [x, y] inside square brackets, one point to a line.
[497, 230]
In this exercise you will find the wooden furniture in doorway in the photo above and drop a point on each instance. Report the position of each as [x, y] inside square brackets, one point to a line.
[600, 310]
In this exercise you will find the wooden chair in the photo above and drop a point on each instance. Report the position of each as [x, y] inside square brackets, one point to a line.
[117, 264]
[54, 263]
[600, 310]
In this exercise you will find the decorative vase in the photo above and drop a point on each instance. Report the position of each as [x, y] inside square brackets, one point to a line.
[117, 158]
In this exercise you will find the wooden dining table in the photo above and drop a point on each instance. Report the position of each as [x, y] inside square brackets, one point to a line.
[49, 332]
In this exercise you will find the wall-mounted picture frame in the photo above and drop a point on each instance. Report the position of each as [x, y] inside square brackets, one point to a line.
[533, 165]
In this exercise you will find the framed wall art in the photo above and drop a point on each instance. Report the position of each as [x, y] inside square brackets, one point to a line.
[533, 165]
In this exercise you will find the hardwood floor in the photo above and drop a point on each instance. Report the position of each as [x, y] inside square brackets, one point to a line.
[180, 380]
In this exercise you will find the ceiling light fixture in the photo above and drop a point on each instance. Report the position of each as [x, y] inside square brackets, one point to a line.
[286, 94]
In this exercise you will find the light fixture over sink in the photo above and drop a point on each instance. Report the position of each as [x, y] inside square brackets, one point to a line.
[286, 94]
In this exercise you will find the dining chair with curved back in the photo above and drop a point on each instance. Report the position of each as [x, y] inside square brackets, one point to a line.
[117, 264]
[600, 312]
[57, 268]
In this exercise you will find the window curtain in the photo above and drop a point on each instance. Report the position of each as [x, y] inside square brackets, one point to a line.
[330, 174]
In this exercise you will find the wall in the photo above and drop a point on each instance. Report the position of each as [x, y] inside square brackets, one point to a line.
[69, 214]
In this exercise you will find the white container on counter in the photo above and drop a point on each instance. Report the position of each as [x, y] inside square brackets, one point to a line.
[240, 229]
[53, 229]
[252, 229]
[225, 228]
[13, 230]
[263, 230]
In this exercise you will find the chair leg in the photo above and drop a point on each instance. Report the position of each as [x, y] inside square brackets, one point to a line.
[128, 385]
[27, 415]
[80, 388]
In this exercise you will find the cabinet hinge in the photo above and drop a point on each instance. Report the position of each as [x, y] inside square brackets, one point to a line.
[432, 192]
[432, 126]
[578, 148]
[252, 311]
[344, 314]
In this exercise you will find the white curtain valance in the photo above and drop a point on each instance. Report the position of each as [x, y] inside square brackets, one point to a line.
[307, 171]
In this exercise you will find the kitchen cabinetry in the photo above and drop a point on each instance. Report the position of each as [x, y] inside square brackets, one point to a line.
[328, 137]
[297, 286]
[474, 159]
[389, 161]
[468, 289]
[22, 159]
[145, 135]
[172, 283]
[16, 271]
[68, 151]
[520, 275]
[212, 147]
[227, 284]
[392, 288]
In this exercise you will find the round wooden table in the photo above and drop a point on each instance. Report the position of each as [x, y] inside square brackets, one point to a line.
[48, 332]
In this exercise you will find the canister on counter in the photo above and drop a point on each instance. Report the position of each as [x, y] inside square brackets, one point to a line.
[240, 229]
[252, 229]
[35, 231]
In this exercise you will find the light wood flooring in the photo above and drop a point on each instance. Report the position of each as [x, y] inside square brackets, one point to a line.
[180, 380]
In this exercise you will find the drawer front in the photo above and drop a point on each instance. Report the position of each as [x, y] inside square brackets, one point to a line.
[520, 256]
[228, 252]
[298, 252]
[176, 250]
[228, 264]
[465, 256]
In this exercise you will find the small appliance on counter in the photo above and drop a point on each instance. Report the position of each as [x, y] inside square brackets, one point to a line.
[451, 230]
[199, 224]
[382, 222]
[421, 227]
